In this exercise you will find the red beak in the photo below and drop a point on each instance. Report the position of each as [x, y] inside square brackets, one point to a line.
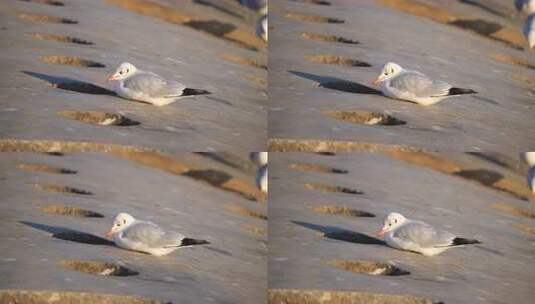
[110, 78]
[109, 233]
[376, 81]
[381, 232]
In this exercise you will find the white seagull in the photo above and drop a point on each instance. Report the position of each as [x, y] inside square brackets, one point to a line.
[149, 87]
[529, 29]
[527, 6]
[136, 235]
[396, 82]
[402, 233]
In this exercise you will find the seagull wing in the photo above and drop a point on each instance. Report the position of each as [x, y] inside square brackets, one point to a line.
[424, 235]
[420, 85]
[153, 85]
[146, 233]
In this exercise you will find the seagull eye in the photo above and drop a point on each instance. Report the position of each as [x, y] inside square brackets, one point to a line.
[121, 72]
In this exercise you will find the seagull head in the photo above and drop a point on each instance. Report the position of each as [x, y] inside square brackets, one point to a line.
[125, 70]
[262, 28]
[392, 221]
[389, 70]
[121, 221]
[259, 158]
[528, 158]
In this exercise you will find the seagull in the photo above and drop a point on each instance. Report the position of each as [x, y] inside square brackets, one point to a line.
[262, 178]
[396, 82]
[149, 87]
[402, 233]
[259, 158]
[147, 237]
[529, 29]
[527, 6]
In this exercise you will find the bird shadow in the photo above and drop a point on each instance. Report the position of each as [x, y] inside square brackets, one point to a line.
[220, 251]
[487, 100]
[225, 102]
[338, 84]
[68, 234]
[494, 158]
[340, 234]
[484, 7]
[219, 158]
[493, 251]
[70, 84]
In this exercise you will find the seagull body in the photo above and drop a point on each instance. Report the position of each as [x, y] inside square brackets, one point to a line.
[396, 82]
[149, 87]
[527, 6]
[529, 29]
[402, 233]
[262, 178]
[147, 237]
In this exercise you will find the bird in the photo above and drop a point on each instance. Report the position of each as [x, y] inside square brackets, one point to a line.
[149, 87]
[259, 158]
[132, 234]
[262, 178]
[396, 82]
[402, 233]
[529, 29]
[527, 6]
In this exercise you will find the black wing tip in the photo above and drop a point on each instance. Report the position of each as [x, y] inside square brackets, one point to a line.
[190, 242]
[463, 241]
[190, 92]
[460, 91]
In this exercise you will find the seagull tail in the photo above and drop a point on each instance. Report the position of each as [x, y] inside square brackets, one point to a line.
[459, 91]
[463, 241]
[190, 92]
[189, 242]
